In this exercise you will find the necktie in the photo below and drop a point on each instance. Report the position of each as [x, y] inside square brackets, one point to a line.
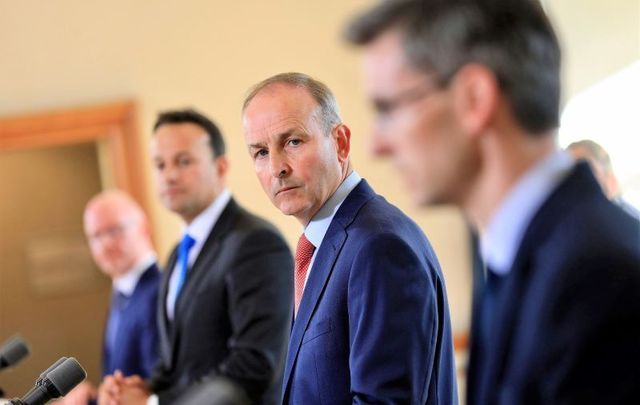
[118, 304]
[186, 244]
[304, 252]
[489, 308]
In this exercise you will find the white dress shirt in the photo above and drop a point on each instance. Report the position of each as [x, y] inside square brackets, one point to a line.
[500, 241]
[319, 224]
[127, 283]
[199, 229]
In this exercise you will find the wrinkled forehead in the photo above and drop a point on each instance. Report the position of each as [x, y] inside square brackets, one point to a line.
[109, 213]
[278, 107]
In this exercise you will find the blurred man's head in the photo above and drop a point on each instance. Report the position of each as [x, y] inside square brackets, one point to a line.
[188, 157]
[298, 144]
[600, 163]
[442, 73]
[117, 231]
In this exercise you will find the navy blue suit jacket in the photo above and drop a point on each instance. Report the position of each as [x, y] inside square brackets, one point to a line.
[373, 325]
[137, 335]
[566, 325]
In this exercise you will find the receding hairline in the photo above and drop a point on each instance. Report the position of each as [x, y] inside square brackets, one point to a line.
[116, 199]
[273, 88]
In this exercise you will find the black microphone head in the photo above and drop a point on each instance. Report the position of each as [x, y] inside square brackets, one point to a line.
[12, 351]
[43, 375]
[66, 376]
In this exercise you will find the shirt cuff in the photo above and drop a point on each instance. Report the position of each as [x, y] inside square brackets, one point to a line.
[153, 400]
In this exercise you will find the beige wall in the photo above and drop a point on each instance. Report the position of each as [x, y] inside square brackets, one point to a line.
[50, 290]
[598, 38]
[206, 53]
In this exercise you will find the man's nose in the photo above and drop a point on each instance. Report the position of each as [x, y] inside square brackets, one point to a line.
[279, 166]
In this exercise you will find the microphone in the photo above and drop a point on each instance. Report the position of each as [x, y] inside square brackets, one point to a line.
[54, 382]
[12, 351]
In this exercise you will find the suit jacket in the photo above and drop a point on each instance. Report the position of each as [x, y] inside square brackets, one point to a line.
[373, 324]
[137, 334]
[566, 324]
[233, 314]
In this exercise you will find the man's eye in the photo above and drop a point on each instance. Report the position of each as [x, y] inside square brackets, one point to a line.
[383, 107]
[294, 142]
[261, 153]
[184, 162]
[159, 166]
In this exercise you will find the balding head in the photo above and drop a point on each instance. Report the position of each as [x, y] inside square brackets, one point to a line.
[600, 163]
[117, 231]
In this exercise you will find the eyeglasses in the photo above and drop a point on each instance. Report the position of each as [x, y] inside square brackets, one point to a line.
[111, 233]
[385, 107]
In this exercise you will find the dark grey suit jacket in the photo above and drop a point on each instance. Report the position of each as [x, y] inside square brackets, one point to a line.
[233, 316]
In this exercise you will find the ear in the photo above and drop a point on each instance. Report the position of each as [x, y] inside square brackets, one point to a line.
[342, 136]
[222, 165]
[476, 93]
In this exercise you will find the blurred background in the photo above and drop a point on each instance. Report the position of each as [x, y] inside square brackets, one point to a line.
[82, 81]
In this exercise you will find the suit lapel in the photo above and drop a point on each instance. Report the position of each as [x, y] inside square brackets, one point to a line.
[203, 263]
[577, 186]
[323, 266]
[164, 327]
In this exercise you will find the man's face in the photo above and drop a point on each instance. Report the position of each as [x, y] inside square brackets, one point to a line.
[415, 123]
[115, 238]
[186, 174]
[298, 166]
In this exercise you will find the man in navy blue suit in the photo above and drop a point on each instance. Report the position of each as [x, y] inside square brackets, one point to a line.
[371, 316]
[120, 242]
[467, 95]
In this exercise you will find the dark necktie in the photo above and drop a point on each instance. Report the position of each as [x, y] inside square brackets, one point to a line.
[489, 306]
[304, 253]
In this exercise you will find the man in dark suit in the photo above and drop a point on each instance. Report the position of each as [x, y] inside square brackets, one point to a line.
[225, 301]
[371, 316]
[120, 242]
[466, 94]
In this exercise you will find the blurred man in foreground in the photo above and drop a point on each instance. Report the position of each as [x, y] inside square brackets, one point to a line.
[467, 98]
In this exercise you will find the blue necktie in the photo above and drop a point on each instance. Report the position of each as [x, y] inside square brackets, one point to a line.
[118, 304]
[186, 244]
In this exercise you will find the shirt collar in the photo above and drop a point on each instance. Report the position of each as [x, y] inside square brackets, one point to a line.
[502, 237]
[319, 224]
[126, 283]
[202, 225]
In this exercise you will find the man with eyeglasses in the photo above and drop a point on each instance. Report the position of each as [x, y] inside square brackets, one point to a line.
[120, 242]
[371, 314]
[467, 97]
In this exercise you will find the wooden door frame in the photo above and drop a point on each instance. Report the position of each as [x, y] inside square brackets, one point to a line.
[114, 122]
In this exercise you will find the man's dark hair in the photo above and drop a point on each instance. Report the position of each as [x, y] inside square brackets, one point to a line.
[191, 116]
[512, 38]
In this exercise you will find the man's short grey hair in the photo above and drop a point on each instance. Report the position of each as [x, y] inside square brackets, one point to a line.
[328, 113]
[512, 38]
